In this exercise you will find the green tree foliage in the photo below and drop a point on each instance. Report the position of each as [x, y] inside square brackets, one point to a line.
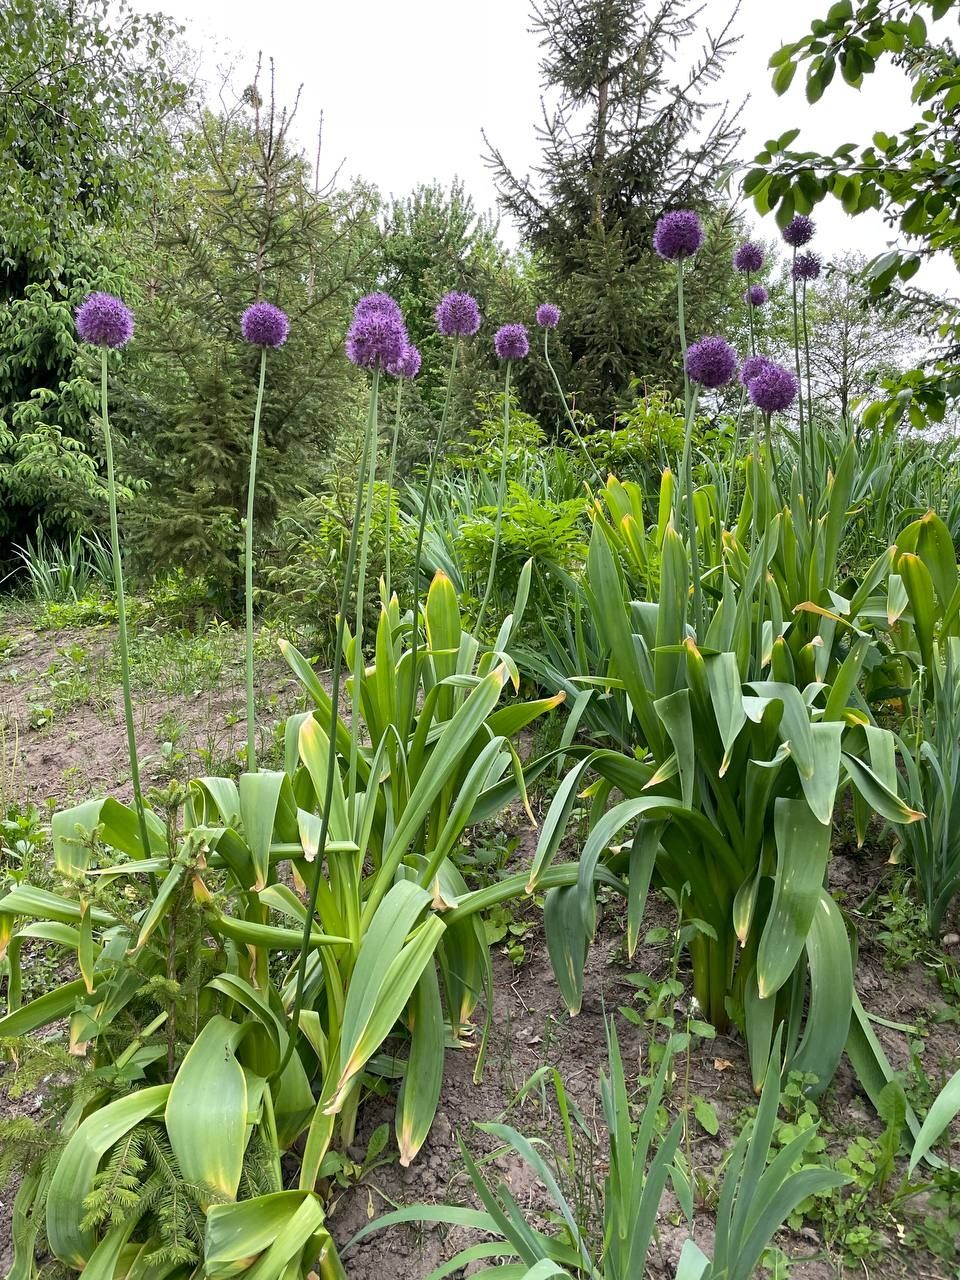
[909, 176]
[82, 144]
[242, 218]
[630, 133]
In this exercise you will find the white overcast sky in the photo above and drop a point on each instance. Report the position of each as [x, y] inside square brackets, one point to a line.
[406, 89]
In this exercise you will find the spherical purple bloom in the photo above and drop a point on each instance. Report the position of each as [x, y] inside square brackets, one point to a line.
[799, 231]
[511, 342]
[773, 389]
[378, 302]
[749, 257]
[457, 315]
[264, 325]
[711, 362]
[678, 235]
[376, 339]
[104, 321]
[755, 296]
[806, 266]
[408, 366]
[548, 315]
[751, 367]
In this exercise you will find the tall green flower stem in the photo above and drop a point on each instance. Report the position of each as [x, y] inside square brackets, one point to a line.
[121, 610]
[796, 353]
[686, 468]
[311, 905]
[391, 471]
[501, 494]
[422, 523]
[248, 567]
[814, 475]
[368, 472]
[566, 408]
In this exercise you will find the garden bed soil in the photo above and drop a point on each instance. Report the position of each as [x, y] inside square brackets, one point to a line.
[83, 753]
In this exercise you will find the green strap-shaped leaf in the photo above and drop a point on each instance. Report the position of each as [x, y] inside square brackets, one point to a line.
[803, 845]
[420, 1090]
[831, 994]
[267, 805]
[270, 1229]
[945, 1106]
[73, 1177]
[567, 942]
[387, 970]
[206, 1113]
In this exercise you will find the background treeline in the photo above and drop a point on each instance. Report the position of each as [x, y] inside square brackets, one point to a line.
[118, 174]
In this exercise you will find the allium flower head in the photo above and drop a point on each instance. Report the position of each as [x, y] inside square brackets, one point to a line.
[408, 366]
[751, 367]
[377, 337]
[806, 266]
[458, 315]
[264, 325]
[799, 231]
[755, 296]
[749, 257]
[378, 302]
[773, 389]
[678, 235]
[511, 342]
[711, 362]
[548, 315]
[104, 321]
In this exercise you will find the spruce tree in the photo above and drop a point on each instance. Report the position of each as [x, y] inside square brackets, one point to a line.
[629, 131]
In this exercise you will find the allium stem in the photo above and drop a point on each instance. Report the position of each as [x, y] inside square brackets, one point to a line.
[421, 527]
[796, 352]
[814, 474]
[566, 408]
[368, 476]
[501, 491]
[121, 610]
[311, 905]
[687, 471]
[248, 567]
[690, 406]
[391, 469]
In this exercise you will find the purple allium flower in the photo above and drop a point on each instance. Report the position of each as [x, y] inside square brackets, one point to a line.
[773, 389]
[799, 231]
[749, 257]
[264, 325]
[408, 366]
[457, 315]
[711, 362]
[751, 367]
[104, 321]
[678, 235]
[806, 266]
[378, 302]
[548, 315]
[510, 342]
[755, 296]
[377, 337]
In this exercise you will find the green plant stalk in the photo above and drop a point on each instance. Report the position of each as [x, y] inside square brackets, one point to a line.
[814, 478]
[391, 469]
[122, 612]
[311, 906]
[248, 568]
[368, 474]
[421, 527]
[690, 404]
[566, 408]
[796, 353]
[501, 492]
